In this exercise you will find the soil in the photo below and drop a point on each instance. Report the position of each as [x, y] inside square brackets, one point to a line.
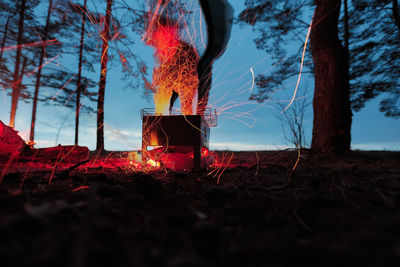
[254, 211]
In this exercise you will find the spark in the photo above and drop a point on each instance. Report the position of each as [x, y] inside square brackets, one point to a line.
[297, 160]
[301, 66]
[48, 42]
[249, 117]
[87, 14]
[252, 75]
[7, 166]
[97, 156]
[62, 88]
[201, 31]
[80, 188]
[59, 161]
[177, 62]
[227, 164]
[44, 64]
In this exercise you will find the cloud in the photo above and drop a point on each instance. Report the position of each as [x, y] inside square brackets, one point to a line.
[245, 147]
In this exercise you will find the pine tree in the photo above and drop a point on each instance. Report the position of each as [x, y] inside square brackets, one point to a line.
[374, 48]
[60, 25]
[279, 23]
[105, 35]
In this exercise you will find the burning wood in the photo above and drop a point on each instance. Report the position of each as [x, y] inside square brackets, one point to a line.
[180, 72]
[184, 136]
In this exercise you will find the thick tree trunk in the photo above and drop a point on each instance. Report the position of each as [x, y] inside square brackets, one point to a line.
[38, 76]
[3, 42]
[16, 79]
[78, 86]
[103, 74]
[332, 113]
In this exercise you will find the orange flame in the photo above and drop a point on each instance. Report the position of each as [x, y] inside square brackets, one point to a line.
[177, 66]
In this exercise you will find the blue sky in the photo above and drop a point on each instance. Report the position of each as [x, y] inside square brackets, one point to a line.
[244, 125]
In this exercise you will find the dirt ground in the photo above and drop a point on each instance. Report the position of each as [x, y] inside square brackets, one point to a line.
[328, 211]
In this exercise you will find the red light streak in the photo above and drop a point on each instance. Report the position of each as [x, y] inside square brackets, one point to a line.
[48, 42]
[62, 88]
[153, 19]
[221, 166]
[88, 15]
[44, 64]
[7, 166]
[59, 161]
[80, 188]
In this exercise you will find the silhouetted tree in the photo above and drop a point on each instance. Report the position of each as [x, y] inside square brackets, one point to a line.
[332, 113]
[105, 35]
[60, 25]
[121, 29]
[39, 73]
[19, 39]
[280, 22]
[374, 48]
[371, 36]
[6, 14]
[79, 82]
[16, 77]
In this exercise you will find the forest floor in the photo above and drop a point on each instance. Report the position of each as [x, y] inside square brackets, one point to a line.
[328, 211]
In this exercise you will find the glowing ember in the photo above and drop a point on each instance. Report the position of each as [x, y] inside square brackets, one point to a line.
[153, 163]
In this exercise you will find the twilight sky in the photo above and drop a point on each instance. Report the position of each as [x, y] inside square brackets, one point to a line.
[242, 124]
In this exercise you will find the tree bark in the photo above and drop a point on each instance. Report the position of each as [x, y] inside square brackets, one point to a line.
[3, 42]
[78, 86]
[103, 75]
[332, 113]
[39, 75]
[16, 79]
[21, 75]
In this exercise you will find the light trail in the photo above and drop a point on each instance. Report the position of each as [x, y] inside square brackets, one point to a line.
[62, 87]
[252, 76]
[48, 42]
[301, 66]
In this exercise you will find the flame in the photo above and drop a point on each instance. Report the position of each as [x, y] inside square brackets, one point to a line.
[153, 138]
[177, 65]
[166, 41]
[153, 163]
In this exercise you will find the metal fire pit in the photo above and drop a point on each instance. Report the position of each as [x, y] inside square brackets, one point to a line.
[177, 130]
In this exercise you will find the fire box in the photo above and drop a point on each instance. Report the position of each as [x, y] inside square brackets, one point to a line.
[177, 130]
